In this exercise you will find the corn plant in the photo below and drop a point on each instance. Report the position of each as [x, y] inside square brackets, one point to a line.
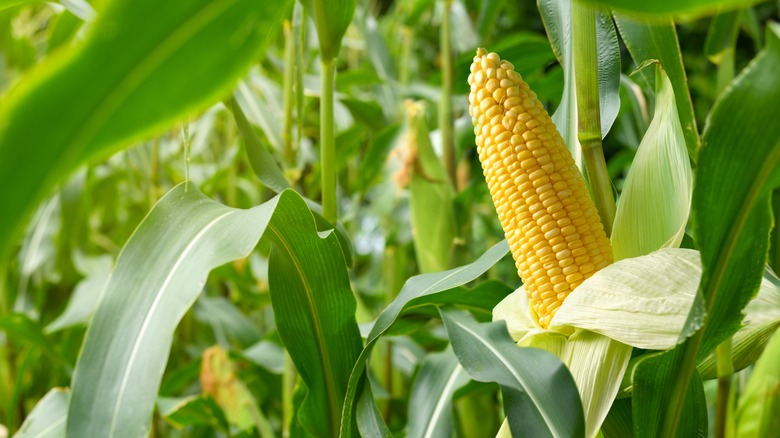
[421, 218]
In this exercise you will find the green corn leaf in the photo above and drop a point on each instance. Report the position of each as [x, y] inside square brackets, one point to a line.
[47, 419]
[540, 396]
[430, 400]
[116, 381]
[332, 18]
[314, 309]
[689, 8]
[657, 39]
[731, 221]
[93, 102]
[147, 296]
[87, 292]
[758, 411]
[556, 15]
[196, 410]
[651, 377]
[415, 292]
[653, 208]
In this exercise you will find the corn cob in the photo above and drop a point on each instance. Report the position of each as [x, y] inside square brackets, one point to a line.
[544, 207]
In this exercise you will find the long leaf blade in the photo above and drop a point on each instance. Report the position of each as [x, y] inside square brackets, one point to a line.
[315, 312]
[127, 344]
[92, 101]
[541, 398]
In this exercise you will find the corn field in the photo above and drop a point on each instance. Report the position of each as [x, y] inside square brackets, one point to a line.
[378, 218]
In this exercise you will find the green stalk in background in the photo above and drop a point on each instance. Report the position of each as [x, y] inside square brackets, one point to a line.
[298, 35]
[445, 98]
[332, 18]
[328, 142]
[588, 114]
[287, 98]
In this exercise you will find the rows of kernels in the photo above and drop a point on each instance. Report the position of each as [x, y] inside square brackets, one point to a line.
[549, 219]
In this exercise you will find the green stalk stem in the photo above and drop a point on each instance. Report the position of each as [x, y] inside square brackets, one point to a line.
[328, 142]
[288, 389]
[287, 98]
[725, 372]
[445, 100]
[298, 35]
[588, 115]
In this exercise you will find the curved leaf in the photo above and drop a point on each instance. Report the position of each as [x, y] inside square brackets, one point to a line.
[92, 101]
[415, 292]
[657, 39]
[47, 419]
[430, 400]
[653, 208]
[314, 310]
[732, 221]
[540, 396]
[126, 347]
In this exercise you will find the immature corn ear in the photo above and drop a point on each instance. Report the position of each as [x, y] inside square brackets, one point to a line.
[549, 219]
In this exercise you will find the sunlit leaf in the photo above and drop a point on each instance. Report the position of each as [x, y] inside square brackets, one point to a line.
[93, 102]
[116, 381]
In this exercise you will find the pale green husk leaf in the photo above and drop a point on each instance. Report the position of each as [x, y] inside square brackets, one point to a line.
[643, 301]
[654, 206]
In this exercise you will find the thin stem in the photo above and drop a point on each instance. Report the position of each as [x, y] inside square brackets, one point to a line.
[328, 142]
[445, 99]
[588, 114]
[288, 389]
[298, 35]
[287, 98]
[725, 372]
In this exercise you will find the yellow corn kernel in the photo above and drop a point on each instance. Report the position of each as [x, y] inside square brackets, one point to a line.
[549, 219]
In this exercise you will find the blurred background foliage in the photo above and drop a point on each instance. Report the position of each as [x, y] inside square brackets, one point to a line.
[390, 184]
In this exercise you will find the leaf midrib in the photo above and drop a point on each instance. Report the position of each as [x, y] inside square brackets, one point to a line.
[330, 387]
[144, 326]
[507, 365]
